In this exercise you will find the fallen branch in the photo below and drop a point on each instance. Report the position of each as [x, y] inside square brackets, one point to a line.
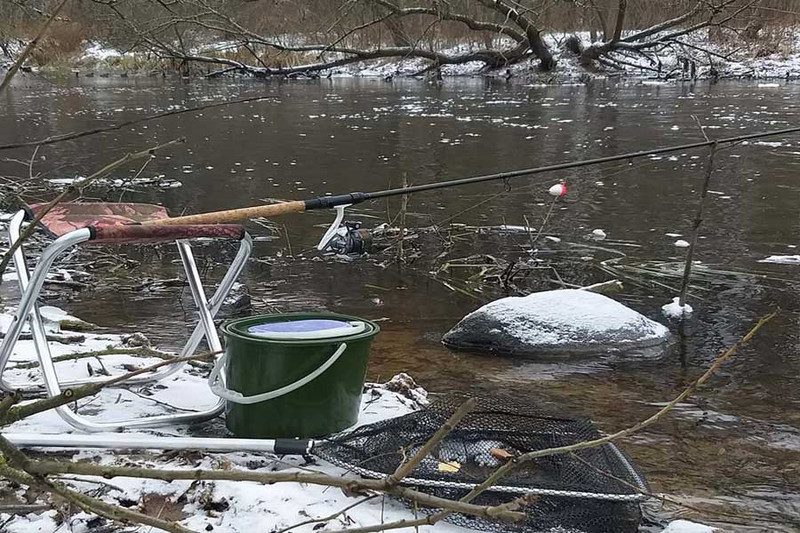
[89, 504]
[17, 413]
[43, 468]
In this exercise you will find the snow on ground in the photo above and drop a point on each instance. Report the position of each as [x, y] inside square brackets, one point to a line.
[251, 506]
[232, 507]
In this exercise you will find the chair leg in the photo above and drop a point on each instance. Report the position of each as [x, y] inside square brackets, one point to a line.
[30, 293]
[34, 318]
[199, 295]
[214, 304]
[31, 287]
[39, 333]
[206, 328]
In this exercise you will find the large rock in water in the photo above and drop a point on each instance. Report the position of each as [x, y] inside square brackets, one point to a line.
[555, 322]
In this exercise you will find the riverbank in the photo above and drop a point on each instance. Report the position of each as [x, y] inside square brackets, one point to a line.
[695, 56]
[230, 506]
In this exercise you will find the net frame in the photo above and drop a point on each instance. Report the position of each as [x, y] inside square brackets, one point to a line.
[562, 505]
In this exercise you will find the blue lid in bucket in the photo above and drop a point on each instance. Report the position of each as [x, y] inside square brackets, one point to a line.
[307, 328]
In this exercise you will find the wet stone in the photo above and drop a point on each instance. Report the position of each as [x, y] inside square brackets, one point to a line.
[559, 322]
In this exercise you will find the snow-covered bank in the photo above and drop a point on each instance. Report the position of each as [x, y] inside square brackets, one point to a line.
[778, 58]
[221, 506]
[202, 506]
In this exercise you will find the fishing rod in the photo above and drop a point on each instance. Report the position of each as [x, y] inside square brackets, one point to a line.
[341, 201]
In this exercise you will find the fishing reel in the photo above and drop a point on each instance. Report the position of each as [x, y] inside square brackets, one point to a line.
[347, 238]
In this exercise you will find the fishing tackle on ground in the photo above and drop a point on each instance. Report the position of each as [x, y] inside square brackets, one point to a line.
[594, 490]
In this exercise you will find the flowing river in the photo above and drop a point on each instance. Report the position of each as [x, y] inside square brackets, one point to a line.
[733, 449]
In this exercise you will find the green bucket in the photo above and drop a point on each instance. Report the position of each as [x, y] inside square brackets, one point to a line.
[293, 374]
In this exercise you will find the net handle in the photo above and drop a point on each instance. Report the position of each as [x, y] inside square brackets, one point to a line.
[218, 387]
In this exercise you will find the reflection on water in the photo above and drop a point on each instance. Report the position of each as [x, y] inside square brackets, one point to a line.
[735, 446]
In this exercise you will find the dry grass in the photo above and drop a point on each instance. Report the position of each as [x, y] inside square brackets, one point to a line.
[61, 43]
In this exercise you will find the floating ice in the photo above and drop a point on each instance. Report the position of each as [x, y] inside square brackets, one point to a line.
[685, 526]
[598, 235]
[675, 311]
[771, 144]
[680, 243]
[782, 259]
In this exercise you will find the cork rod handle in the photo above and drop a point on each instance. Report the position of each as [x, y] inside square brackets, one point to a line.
[234, 215]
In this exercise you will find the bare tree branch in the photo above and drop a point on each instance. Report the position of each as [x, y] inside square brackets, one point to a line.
[446, 14]
[29, 230]
[87, 503]
[31, 45]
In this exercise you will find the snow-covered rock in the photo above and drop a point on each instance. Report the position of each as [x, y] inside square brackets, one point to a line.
[555, 322]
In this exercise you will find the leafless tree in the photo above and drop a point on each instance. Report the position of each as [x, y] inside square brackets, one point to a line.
[310, 37]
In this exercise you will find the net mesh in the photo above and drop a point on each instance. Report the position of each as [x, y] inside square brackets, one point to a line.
[591, 490]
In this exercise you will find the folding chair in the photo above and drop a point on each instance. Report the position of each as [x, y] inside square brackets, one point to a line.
[115, 223]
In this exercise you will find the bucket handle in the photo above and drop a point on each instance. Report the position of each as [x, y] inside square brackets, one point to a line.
[219, 388]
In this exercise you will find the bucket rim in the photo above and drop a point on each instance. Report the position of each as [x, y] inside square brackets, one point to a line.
[234, 328]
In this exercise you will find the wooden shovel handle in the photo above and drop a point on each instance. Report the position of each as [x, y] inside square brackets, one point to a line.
[234, 215]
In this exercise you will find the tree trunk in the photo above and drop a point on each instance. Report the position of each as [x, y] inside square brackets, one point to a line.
[540, 50]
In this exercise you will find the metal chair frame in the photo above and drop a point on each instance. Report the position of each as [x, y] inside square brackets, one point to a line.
[28, 312]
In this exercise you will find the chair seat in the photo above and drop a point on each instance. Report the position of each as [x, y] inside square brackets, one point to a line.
[122, 223]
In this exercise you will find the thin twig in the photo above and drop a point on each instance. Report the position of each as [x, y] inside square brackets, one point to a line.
[89, 504]
[698, 220]
[530, 456]
[113, 127]
[514, 463]
[70, 395]
[29, 230]
[329, 517]
[407, 467]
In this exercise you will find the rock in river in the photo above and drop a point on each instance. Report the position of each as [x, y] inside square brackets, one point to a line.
[565, 321]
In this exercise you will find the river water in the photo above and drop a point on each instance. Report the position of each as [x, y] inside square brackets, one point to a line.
[733, 449]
